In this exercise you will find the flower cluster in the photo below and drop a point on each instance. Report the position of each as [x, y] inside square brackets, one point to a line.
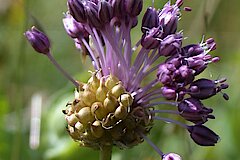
[115, 107]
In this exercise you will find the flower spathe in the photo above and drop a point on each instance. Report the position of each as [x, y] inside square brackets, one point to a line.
[114, 107]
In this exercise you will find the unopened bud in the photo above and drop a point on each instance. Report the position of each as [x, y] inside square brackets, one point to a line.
[92, 15]
[73, 28]
[203, 136]
[119, 8]
[150, 19]
[105, 11]
[38, 40]
[76, 9]
[133, 7]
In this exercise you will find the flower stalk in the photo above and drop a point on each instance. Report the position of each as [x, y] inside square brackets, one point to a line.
[50, 57]
[106, 152]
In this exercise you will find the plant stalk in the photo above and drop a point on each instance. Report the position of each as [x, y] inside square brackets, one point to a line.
[106, 152]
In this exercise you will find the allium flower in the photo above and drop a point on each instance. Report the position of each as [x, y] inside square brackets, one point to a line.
[114, 107]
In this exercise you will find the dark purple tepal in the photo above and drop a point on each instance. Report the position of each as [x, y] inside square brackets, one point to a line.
[38, 40]
[203, 136]
[193, 110]
[207, 88]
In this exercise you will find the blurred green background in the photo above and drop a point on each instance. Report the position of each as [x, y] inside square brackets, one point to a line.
[27, 77]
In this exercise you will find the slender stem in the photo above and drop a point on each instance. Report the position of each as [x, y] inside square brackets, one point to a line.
[49, 55]
[106, 152]
[152, 144]
[168, 120]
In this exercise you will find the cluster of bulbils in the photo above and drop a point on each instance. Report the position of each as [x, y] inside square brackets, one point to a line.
[102, 114]
[114, 107]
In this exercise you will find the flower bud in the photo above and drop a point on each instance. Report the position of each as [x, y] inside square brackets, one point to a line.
[85, 116]
[119, 8]
[168, 18]
[96, 129]
[169, 93]
[150, 39]
[171, 156]
[150, 19]
[92, 15]
[199, 65]
[193, 110]
[118, 90]
[206, 88]
[186, 75]
[203, 136]
[110, 103]
[76, 9]
[73, 28]
[105, 11]
[170, 44]
[133, 7]
[38, 40]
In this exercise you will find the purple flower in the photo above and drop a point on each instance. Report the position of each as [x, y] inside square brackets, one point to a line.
[171, 156]
[193, 110]
[73, 28]
[116, 106]
[205, 88]
[38, 40]
[203, 135]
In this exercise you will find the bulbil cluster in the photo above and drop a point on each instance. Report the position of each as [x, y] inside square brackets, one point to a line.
[115, 107]
[99, 106]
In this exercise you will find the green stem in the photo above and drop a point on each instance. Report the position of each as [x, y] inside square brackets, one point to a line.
[106, 152]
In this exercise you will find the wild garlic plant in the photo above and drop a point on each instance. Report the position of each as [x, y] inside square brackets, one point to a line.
[114, 107]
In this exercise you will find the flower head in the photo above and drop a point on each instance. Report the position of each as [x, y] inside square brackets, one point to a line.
[114, 107]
